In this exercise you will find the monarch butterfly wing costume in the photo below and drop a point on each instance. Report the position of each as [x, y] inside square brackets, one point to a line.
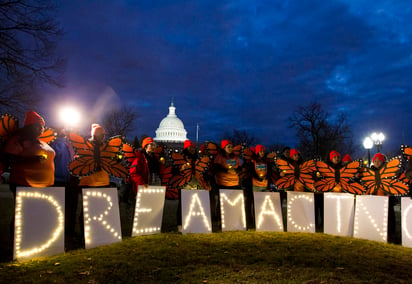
[347, 174]
[200, 170]
[184, 176]
[327, 182]
[48, 135]
[287, 181]
[85, 162]
[306, 171]
[388, 183]
[129, 153]
[8, 125]
[406, 150]
[110, 157]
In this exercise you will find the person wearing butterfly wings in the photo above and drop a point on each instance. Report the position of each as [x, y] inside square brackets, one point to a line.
[145, 168]
[31, 160]
[226, 169]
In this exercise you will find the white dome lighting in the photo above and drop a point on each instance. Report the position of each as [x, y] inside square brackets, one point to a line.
[171, 128]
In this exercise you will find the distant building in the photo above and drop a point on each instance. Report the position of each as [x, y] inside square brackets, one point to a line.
[171, 128]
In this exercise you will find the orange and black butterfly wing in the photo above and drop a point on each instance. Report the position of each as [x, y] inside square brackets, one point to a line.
[369, 181]
[391, 168]
[393, 186]
[307, 169]
[287, 181]
[201, 167]
[347, 174]
[212, 149]
[8, 125]
[327, 183]
[403, 178]
[406, 150]
[82, 166]
[109, 157]
[48, 135]
[248, 154]
[129, 153]
[237, 150]
[84, 163]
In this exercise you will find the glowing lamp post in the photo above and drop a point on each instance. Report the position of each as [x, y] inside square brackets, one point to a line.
[368, 144]
[378, 140]
[70, 117]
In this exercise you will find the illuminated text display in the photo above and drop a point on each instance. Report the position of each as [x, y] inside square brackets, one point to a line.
[232, 210]
[101, 217]
[339, 209]
[39, 222]
[148, 210]
[268, 211]
[196, 212]
[301, 212]
[406, 219]
[371, 218]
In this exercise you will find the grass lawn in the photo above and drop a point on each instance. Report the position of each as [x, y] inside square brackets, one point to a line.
[222, 257]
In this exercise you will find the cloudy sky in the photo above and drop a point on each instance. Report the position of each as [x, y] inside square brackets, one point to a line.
[243, 65]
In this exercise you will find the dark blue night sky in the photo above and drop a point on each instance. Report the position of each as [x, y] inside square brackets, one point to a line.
[243, 65]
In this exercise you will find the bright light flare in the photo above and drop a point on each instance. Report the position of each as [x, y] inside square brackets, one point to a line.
[70, 116]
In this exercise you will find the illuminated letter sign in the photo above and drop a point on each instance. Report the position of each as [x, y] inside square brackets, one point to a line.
[268, 212]
[406, 218]
[301, 212]
[196, 212]
[371, 217]
[39, 222]
[149, 210]
[232, 210]
[101, 217]
[339, 211]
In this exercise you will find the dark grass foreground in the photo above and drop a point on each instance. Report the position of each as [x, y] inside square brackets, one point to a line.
[222, 257]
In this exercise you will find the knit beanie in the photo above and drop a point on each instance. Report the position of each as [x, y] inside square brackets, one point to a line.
[293, 152]
[224, 143]
[188, 143]
[146, 141]
[33, 117]
[379, 156]
[259, 148]
[346, 158]
[333, 154]
[96, 129]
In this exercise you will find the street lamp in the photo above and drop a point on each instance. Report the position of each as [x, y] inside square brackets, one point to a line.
[368, 144]
[70, 117]
[378, 140]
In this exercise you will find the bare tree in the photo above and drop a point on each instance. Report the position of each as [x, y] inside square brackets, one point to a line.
[28, 37]
[241, 137]
[120, 121]
[319, 133]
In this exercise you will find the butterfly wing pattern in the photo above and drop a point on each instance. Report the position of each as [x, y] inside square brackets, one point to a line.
[385, 179]
[344, 180]
[290, 176]
[85, 163]
[8, 125]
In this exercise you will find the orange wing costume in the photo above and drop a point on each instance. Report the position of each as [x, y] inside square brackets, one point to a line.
[86, 162]
[338, 180]
[384, 181]
[295, 178]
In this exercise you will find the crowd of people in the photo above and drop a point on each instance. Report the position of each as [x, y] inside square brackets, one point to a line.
[34, 161]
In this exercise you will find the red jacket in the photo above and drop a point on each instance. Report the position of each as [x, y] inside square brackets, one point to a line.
[139, 171]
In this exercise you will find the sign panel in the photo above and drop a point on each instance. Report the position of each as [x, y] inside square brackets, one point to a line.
[339, 212]
[148, 211]
[101, 217]
[39, 222]
[232, 210]
[196, 212]
[371, 218]
[406, 221]
[268, 211]
[301, 212]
